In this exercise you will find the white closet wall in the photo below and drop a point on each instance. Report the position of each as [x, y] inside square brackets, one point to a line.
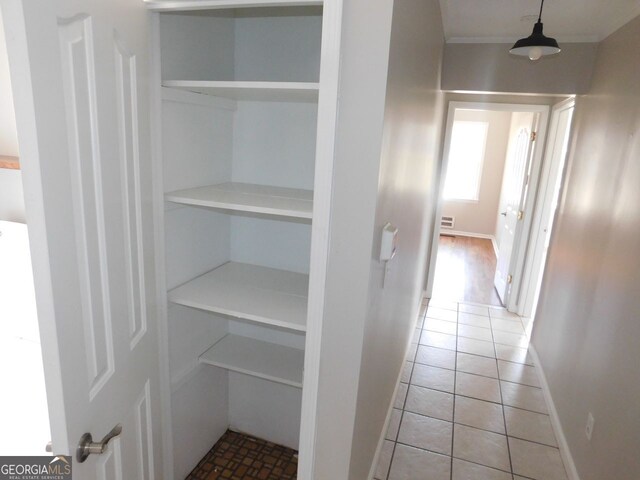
[238, 166]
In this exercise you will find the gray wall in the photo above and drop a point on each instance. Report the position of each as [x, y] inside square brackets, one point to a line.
[387, 146]
[480, 217]
[489, 67]
[11, 194]
[587, 329]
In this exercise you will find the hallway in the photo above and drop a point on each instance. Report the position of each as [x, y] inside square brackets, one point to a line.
[469, 405]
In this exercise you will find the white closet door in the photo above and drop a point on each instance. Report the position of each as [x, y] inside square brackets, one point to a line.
[80, 75]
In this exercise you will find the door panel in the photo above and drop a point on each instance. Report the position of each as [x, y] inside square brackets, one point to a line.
[80, 70]
[519, 153]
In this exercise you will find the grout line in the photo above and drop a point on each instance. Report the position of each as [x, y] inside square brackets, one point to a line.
[453, 458]
[504, 417]
[413, 365]
[455, 379]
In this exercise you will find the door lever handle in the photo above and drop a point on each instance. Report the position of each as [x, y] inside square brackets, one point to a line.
[87, 446]
[504, 214]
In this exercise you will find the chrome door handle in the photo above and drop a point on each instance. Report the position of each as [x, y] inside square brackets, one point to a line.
[87, 446]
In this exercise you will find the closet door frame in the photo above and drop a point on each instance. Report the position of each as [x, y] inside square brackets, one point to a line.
[323, 187]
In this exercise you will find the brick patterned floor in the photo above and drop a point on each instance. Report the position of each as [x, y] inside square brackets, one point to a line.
[238, 457]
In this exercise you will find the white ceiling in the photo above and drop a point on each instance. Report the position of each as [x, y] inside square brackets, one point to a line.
[500, 21]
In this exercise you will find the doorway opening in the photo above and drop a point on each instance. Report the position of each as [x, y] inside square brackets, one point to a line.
[498, 190]
[23, 406]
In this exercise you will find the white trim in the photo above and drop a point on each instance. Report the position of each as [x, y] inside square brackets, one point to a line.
[157, 94]
[494, 243]
[323, 186]
[563, 444]
[533, 256]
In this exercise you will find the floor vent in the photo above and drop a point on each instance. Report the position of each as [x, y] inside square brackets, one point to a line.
[447, 222]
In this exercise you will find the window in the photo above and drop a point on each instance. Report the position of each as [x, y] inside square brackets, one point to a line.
[466, 155]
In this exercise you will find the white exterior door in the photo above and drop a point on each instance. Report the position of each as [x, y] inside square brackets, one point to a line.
[514, 186]
[80, 72]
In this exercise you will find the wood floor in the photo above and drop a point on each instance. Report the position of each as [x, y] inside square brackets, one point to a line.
[465, 268]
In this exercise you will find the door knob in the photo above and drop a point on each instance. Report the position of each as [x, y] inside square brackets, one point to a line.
[87, 446]
[504, 214]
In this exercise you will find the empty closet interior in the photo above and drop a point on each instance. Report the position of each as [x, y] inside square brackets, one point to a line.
[239, 118]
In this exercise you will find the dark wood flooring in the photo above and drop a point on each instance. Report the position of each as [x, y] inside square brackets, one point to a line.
[237, 456]
[465, 268]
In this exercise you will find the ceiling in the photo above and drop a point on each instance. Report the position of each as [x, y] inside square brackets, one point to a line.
[501, 21]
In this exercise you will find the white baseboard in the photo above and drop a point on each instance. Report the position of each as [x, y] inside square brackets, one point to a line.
[460, 233]
[565, 452]
[495, 245]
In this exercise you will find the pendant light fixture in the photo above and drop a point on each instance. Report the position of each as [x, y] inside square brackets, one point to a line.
[536, 45]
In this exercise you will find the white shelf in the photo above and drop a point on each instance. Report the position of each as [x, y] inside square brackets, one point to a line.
[270, 361]
[219, 4]
[259, 294]
[272, 91]
[246, 197]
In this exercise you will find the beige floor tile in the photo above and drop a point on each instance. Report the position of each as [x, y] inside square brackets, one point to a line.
[476, 347]
[441, 326]
[513, 354]
[518, 373]
[536, 461]
[502, 313]
[433, 377]
[426, 433]
[522, 396]
[474, 320]
[472, 471]
[486, 448]
[394, 425]
[482, 388]
[476, 364]
[431, 403]
[443, 304]
[529, 426]
[436, 357]
[439, 340]
[384, 461]
[410, 463]
[513, 339]
[510, 326]
[401, 395]
[442, 314]
[479, 333]
[475, 309]
[479, 414]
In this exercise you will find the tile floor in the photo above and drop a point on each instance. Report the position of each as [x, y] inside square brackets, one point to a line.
[469, 406]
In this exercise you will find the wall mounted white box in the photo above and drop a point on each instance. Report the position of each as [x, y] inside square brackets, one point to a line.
[388, 243]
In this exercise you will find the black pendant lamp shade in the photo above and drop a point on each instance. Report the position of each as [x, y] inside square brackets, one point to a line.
[536, 45]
